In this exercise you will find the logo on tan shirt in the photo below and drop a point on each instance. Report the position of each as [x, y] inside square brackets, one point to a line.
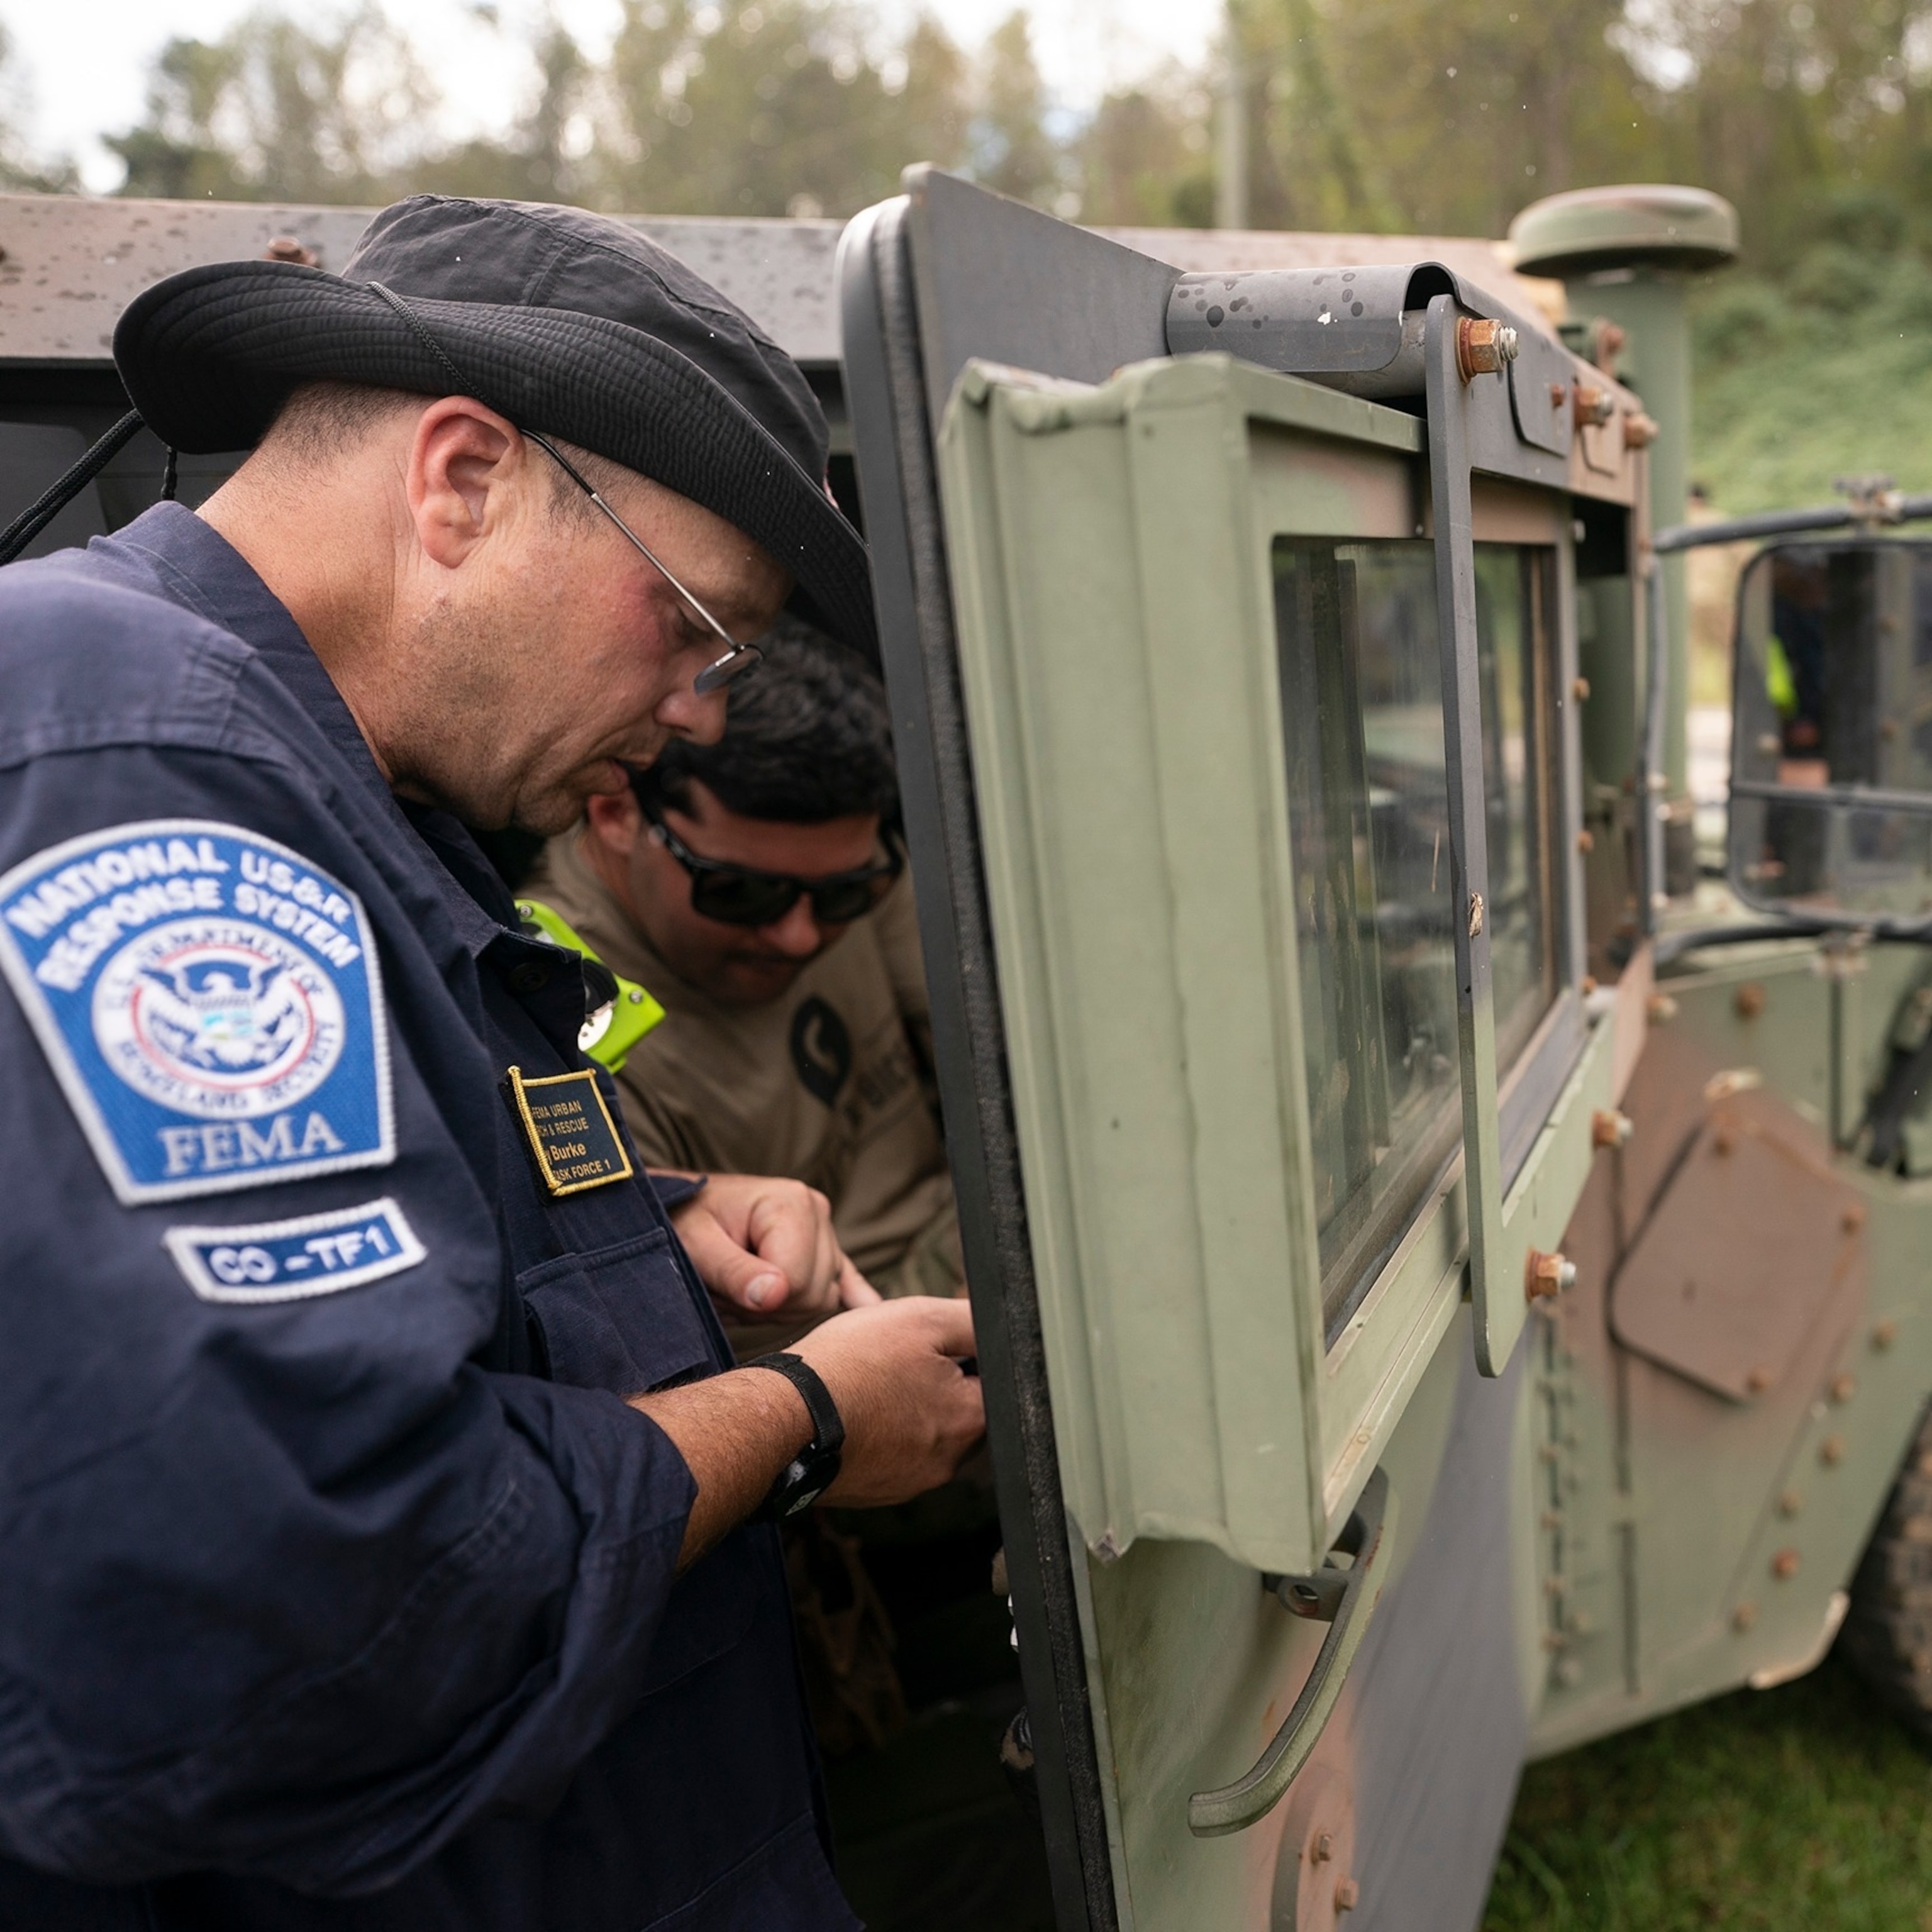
[821, 1049]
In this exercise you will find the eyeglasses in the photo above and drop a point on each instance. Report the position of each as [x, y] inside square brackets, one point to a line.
[715, 675]
[737, 895]
[738, 658]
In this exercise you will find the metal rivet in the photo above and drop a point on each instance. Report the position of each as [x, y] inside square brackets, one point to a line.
[636, 997]
[1484, 346]
[1884, 1335]
[1790, 1503]
[1724, 1140]
[1743, 1616]
[1662, 1007]
[1323, 1848]
[1844, 1386]
[1558, 391]
[1580, 691]
[1586, 840]
[1592, 407]
[1545, 1275]
[1588, 984]
[1831, 1451]
[1853, 1218]
[1749, 1000]
[1610, 1129]
[1348, 1895]
[1758, 1380]
[1784, 1565]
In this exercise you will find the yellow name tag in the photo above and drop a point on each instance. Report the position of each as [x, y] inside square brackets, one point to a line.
[570, 1131]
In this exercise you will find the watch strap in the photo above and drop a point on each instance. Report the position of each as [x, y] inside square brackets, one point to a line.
[828, 1425]
[815, 1468]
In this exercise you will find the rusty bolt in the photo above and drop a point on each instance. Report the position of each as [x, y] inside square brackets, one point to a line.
[1348, 1895]
[1884, 1335]
[1640, 431]
[1559, 394]
[1323, 1848]
[1579, 690]
[1591, 406]
[1588, 984]
[1853, 1218]
[290, 248]
[1844, 1386]
[1758, 1380]
[1483, 347]
[1586, 841]
[1831, 1451]
[1790, 1503]
[1743, 1617]
[1662, 1007]
[1545, 1275]
[1749, 1000]
[1784, 1565]
[1610, 1129]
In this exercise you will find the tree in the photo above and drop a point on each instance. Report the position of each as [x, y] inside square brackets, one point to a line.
[1011, 149]
[276, 111]
[1143, 158]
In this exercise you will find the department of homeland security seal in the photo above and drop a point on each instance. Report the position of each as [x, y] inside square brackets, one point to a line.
[210, 1002]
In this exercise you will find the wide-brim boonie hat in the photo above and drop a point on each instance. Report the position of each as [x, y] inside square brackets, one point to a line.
[567, 323]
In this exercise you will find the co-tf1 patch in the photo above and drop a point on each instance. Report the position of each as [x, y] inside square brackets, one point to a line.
[210, 1002]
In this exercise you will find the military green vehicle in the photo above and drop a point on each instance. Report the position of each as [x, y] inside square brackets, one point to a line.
[1451, 1278]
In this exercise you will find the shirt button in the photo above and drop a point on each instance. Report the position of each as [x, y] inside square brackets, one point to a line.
[529, 977]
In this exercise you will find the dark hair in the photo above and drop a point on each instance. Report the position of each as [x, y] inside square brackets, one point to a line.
[808, 738]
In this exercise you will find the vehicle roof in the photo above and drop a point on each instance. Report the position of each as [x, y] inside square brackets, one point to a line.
[69, 264]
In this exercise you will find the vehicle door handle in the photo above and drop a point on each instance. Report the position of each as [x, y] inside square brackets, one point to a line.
[1345, 1600]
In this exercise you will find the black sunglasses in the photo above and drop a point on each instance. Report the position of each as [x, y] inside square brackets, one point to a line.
[735, 896]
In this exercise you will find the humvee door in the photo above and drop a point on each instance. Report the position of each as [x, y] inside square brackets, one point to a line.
[1235, 723]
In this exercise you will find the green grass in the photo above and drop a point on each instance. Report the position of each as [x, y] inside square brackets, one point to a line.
[1824, 374]
[1805, 1809]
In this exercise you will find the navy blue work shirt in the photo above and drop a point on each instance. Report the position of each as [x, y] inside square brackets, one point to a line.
[339, 1584]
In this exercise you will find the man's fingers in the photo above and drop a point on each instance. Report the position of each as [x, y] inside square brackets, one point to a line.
[854, 1290]
[784, 1228]
[733, 1274]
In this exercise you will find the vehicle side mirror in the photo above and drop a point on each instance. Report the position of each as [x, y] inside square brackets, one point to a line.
[1830, 813]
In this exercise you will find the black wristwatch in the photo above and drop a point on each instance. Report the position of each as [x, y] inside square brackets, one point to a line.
[815, 1468]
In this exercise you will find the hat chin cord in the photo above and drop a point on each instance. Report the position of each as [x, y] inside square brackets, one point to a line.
[42, 510]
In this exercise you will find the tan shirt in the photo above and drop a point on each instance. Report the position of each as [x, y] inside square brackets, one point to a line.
[826, 1084]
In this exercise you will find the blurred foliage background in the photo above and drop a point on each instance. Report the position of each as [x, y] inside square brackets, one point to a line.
[1421, 116]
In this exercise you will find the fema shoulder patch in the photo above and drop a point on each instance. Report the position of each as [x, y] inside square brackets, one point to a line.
[210, 1002]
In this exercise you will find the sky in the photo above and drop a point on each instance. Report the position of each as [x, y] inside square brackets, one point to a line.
[82, 64]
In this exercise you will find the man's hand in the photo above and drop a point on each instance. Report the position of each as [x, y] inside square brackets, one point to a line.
[766, 1248]
[910, 1412]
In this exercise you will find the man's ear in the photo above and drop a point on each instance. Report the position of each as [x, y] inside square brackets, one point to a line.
[617, 821]
[461, 455]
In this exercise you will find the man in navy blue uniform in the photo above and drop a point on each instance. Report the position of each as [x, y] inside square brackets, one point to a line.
[387, 1533]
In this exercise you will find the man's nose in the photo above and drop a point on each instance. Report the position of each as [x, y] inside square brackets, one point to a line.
[797, 935]
[699, 718]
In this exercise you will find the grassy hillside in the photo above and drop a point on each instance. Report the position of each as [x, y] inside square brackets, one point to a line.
[1825, 373]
